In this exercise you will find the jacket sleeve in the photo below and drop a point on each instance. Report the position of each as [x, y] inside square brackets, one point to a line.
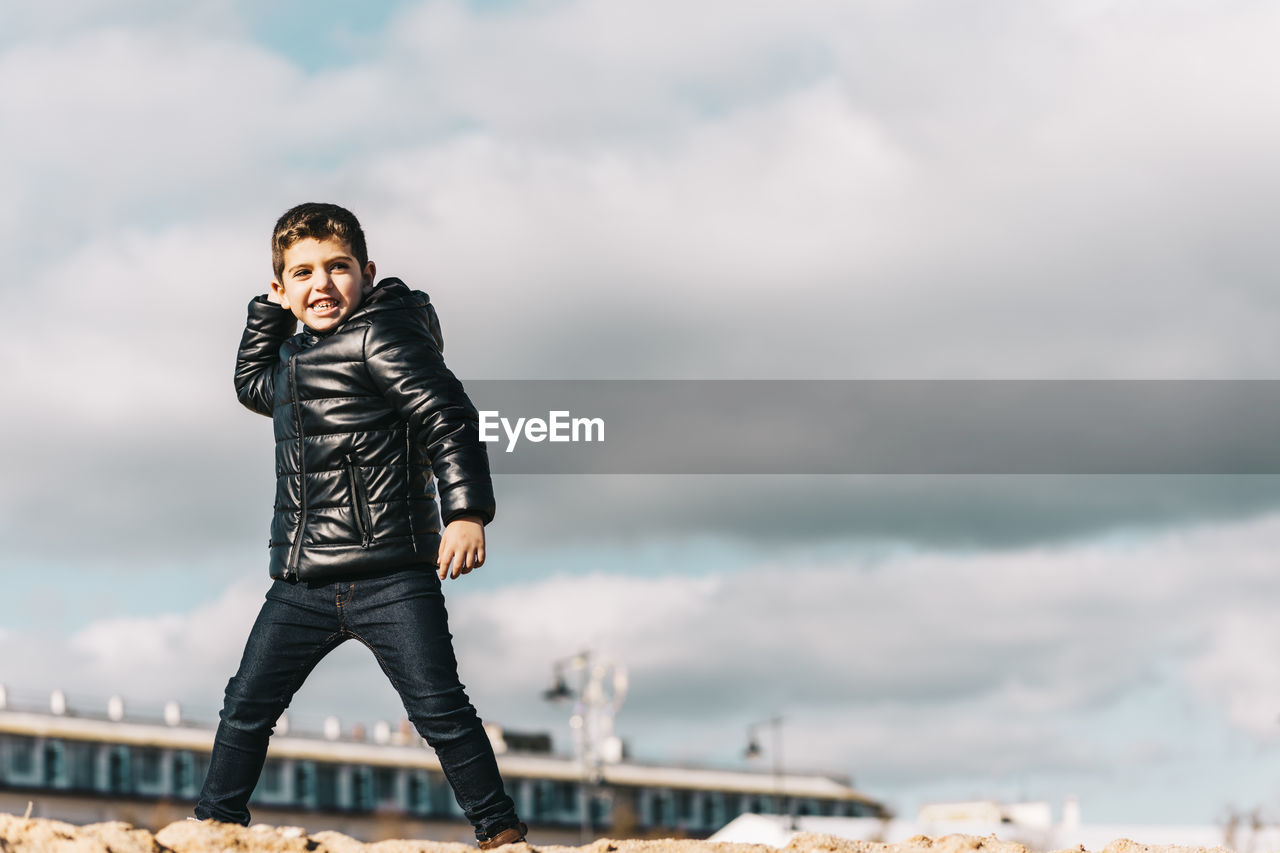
[404, 358]
[267, 327]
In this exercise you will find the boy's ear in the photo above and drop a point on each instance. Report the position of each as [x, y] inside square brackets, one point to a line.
[277, 290]
[370, 272]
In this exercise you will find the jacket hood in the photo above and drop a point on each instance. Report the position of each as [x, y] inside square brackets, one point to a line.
[392, 294]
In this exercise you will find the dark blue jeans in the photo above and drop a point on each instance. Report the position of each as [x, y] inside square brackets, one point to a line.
[401, 618]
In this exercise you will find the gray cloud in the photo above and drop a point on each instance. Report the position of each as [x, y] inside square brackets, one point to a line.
[864, 216]
[953, 512]
[133, 408]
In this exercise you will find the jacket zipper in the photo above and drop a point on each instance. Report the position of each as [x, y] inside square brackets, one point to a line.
[360, 500]
[296, 552]
[408, 487]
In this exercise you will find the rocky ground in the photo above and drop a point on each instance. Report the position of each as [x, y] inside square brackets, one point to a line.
[39, 835]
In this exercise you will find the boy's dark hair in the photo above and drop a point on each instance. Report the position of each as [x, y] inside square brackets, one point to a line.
[319, 221]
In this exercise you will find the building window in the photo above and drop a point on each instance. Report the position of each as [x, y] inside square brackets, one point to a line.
[147, 766]
[543, 801]
[82, 765]
[200, 766]
[22, 756]
[183, 772]
[710, 812]
[52, 762]
[660, 808]
[272, 781]
[119, 775]
[384, 784]
[521, 795]
[684, 806]
[303, 783]
[414, 794]
[732, 806]
[599, 809]
[326, 787]
[362, 789]
[567, 797]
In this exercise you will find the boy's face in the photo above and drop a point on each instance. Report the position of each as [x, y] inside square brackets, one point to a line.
[322, 282]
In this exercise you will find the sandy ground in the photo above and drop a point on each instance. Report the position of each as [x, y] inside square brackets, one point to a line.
[38, 835]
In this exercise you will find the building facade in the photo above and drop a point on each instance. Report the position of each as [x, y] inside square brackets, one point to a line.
[84, 769]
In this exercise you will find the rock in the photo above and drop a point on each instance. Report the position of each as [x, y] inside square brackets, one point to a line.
[1124, 845]
[207, 836]
[41, 835]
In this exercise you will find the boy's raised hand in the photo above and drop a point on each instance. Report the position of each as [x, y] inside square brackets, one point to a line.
[461, 547]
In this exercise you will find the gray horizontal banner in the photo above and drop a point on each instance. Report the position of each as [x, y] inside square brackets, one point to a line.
[879, 427]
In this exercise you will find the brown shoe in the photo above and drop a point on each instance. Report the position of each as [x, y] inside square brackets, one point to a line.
[510, 835]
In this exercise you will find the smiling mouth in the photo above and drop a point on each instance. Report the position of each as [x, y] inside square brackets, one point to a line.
[324, 305]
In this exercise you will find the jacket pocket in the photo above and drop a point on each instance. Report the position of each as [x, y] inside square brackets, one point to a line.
[359, 500]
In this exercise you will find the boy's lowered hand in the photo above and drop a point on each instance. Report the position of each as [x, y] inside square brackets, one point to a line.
[461, 547]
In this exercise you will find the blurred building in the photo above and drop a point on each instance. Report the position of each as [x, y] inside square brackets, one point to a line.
[382, 783]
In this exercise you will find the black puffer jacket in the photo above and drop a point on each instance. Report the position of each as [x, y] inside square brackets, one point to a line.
[368, 420]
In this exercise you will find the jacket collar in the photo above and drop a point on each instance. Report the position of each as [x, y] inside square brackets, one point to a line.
[388, 294]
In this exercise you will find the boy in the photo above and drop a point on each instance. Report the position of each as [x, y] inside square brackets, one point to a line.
[369, 424]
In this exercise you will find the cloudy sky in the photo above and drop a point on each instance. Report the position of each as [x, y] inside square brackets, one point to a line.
[645, 189]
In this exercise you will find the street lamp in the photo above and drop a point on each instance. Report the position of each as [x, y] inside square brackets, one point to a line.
[601, 689]
[754, 751]
[559, 691]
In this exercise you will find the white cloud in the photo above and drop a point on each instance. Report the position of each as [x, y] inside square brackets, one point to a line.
[888, 212]
[1010, 198]
[146, 659]
[30, 20]
[934, 657]
[123, 123]
[1236, 667]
